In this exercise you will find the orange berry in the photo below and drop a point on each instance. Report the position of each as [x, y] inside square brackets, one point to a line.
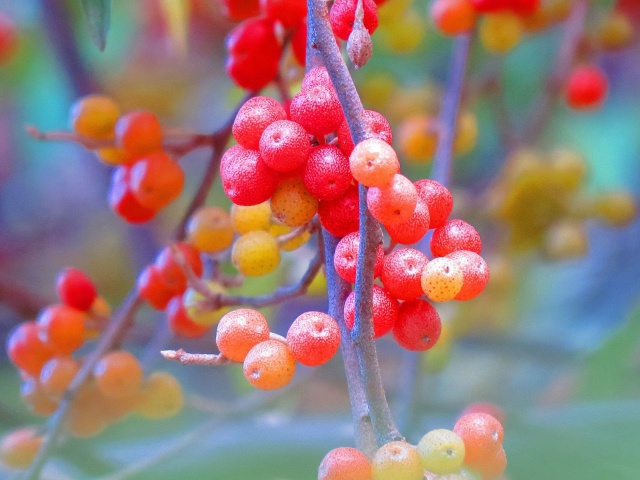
[26, 350]
[210, 229]
[118, 374]
[482, 435]
[269, 365]
[156, 180]
[442, 279]
[453, 17]
[57, 374]
[239, 331]
[373, 162]
[94, 116]
[292, 204]
[139, 132]
[62, 328]
[19, 447]
[87, 416]
[36, 399]
[393, 204]
[344, 463]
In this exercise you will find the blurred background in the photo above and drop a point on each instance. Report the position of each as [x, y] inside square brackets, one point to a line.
[554, 341]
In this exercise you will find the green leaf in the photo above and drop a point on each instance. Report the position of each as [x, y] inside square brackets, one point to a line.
[98, 13]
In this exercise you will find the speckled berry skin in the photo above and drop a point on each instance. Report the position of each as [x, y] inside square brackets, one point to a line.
[327, 175]
[482, 435]
[442, 279]
[345, 259]
[415, 228]
[397, 461]
[402, 271]
[284, 146]
[342, 16]
[255, 253]
[255, 115]
[246, 179]
[418, 327]
[239, 331]
[317, 76]
[292, 204]
[385, 311]
[344, 463]
[313, 338]
[441, 451]
[340, 217]
[475, 273]
[375, 126]
[374, 162]
[318, 110]
[394, 203]
[438, 199]
[269, 365]
[455, 235]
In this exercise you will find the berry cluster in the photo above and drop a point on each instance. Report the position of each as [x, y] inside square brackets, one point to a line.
[269, 361]
[542, 199]
[43, 352]
[146, 178]
[474, 446]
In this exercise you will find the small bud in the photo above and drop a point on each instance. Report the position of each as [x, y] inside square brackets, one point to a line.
[359, 45]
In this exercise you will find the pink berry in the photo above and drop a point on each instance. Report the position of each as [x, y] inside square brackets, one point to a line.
[284, 146]
[343, 13]
[438, 199]
[318, 110]
[255, 115]
[402, 271]
[455, 235]
[385, 311]
[346, 257]
[374, 162]
[376, 126]
[415, 228]
[418, 326]
[475, 273]
[326, 174]
[395, 203]
[288, 12]
[344, 463]
[313, 338]
[246, 179]
[317, 76]
[586, 88]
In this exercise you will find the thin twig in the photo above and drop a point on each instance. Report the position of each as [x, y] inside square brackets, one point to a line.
[324, 41]
[185, 358]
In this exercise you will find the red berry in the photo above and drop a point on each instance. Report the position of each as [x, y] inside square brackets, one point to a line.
[139, 132]
[254, 53]
[26, 350]
[156, 180]
[299, 43]
[75, 289]
[345, 259]
[284, 146]
[385, 311]
[525, 7]
[255, 115]
[402, 271]
[313, 338]
[240, 9]
[123, 201]
[394, 203]
[315, 77]
[475, 273]
[438, 198]
[327, 175]
[61, 328]
[288, 12]
[341, 216]
[8, 38]
[246, 179]
[172, 272]
[343, 13]
[152, 288]
[418, 326]
[453, 17]
[318, 110]
[415, 228]
[179, 321]
[586, 87]
[455, 235]
[487, 6]
[482, 435]
[376, 126]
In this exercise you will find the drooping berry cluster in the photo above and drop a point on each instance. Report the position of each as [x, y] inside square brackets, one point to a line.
[146, 178]
[43, 351]
[269, 363]
[473, 446]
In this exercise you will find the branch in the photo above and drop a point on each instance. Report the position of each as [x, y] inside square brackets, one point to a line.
[186, 358]
[542, 109]
[323, 40]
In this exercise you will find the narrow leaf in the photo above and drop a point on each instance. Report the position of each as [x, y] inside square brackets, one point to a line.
[98, 14]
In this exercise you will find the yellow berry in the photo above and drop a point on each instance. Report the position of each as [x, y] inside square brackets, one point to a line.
[615, 31]
[500, 32]
[193, 300]
[292, 204]
[566, 239]
[568, 169]
[210, 229]
[255, 253]
[276, 230]
[95, 116]
[418, 138]
[160, 396]
[617, 208]
[397, 461]
[405, 34]
[466, 134]
[248, 219]
[441, 451]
